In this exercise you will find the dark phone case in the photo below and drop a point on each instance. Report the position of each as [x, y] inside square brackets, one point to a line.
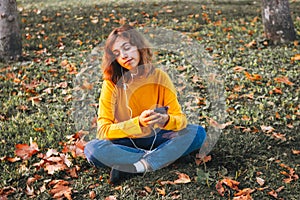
[162, 110]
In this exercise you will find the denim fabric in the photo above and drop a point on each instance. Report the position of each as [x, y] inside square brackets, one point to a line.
[168, 146]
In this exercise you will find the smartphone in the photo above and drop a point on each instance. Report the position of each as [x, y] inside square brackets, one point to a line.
[162, 110]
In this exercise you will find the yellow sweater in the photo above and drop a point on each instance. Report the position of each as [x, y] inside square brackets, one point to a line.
[119, 109]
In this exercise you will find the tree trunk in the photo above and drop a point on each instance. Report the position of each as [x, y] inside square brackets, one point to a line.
[277, 20]
[10, 37]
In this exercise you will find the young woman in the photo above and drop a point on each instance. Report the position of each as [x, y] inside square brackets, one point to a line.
[133, 135]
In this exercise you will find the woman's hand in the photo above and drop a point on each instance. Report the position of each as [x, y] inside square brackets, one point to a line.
[149, 118]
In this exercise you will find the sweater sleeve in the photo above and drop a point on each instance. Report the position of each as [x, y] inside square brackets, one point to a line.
[107, 127]
[177, 119]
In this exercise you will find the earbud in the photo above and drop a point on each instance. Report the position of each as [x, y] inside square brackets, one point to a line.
[124, 86]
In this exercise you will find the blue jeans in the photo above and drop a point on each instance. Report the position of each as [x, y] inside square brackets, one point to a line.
[168, 146]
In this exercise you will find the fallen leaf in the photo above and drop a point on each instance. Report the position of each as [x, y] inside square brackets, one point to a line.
[296, 152]
[260, 181]
[296, 57]
[231, 183]
[25, 151]
[52, 168]
[12, 160]
[279, 136]
[244, 192]
[162, 183]
[5, 191]
[110, 198]
[215, 124]
[200, 159]
[220, 188]
[161, 191]
[253, 77]
[92, 194]
[283, 79]
[267, 129]
[238, 69]
[279, 189]
[273, 194]
[182, 178]
[148, 189]
[29, 191]
[61, 189]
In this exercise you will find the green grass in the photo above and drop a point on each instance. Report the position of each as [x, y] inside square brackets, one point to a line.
[59, 33]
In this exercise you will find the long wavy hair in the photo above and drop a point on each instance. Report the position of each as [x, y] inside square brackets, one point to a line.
[112, 70]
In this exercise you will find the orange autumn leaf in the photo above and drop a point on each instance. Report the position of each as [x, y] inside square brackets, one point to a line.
[220, 188]
[267, 129]
[283, 79]
[182, 178]
[296, 57]
[253, 77]
[200, 159]
[25, 151]
[296, 152]
[244, 192]
[61, 189]
[273, 194]
[215, 124]
[92, 194]
[52, 168]
[161, 191]
[231, 183]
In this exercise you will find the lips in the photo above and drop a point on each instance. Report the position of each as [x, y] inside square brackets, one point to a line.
[127, 61]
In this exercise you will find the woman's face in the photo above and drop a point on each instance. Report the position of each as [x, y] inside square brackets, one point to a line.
[126, 55]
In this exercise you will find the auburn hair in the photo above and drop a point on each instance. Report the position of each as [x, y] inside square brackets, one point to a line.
[112, 70]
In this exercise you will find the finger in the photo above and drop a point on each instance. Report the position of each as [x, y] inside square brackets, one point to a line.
[152, 117]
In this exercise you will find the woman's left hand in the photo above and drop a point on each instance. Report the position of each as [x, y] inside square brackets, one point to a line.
[160, 119]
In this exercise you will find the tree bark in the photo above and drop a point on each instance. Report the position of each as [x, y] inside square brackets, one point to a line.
[10, 36]
[277, 21]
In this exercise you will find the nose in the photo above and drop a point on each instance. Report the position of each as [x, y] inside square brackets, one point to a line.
[123, 54]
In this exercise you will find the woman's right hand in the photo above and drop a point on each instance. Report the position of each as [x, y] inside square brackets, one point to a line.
[145, 118]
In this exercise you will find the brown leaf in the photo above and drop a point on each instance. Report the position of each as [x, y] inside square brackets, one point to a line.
[73, 172]
[161, 191]
[25, 151]
[279, 189]
[253, 77]
[12, 160]
[273, 194]
[52, 168]
[110, 198]
[148, 189]
[61, 189]
[260, 181]
[200, 159]
[162, 183]
[296, 57]
[182, 178]
[267, 129]
[29, 191]
[296, 152]
[5, 191]
[283, 79]
[279, 136]
[215, 124]
[30, 180]
[238, 69]
[92, 194]
[220, 188]
[231, 183]
[244, 192]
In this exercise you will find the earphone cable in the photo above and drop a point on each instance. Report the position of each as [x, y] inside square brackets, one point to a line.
[130, 110]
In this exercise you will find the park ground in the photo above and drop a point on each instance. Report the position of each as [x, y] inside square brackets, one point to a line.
[257, 155]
